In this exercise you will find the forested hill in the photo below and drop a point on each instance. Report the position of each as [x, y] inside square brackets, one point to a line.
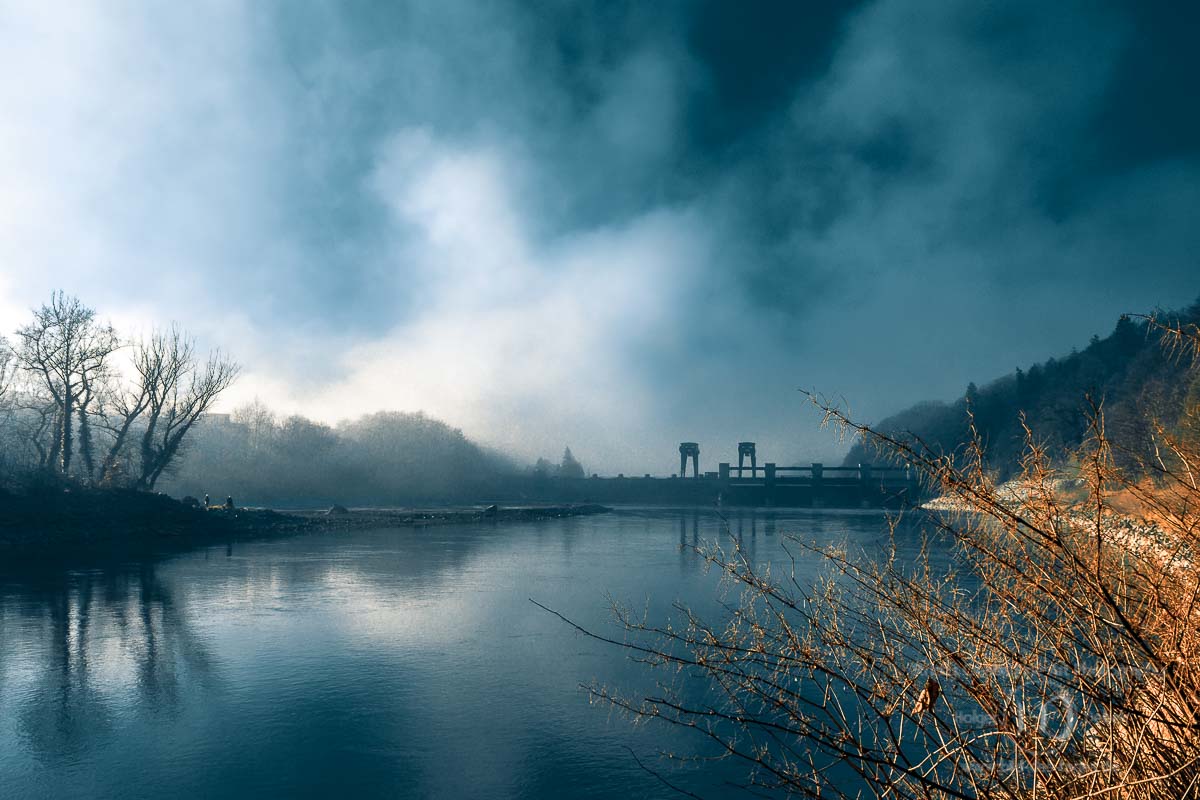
[387, 458]
[1138, 379]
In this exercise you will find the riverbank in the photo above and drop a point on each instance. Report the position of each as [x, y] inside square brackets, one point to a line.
[1127, 523]
[53, 525]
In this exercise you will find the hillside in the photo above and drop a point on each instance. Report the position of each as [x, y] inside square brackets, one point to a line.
[1130, 370]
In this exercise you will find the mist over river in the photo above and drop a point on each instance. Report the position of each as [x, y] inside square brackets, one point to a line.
[380, 663]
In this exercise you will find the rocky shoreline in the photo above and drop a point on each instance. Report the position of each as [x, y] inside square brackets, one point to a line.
[1135, 535]
[75, 522]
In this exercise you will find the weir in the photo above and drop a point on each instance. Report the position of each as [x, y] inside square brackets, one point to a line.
[811, 485]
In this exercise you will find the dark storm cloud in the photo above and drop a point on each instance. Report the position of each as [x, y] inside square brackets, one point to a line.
[616, 224]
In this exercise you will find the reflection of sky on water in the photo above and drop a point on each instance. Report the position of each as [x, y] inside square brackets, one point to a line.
[372, 662]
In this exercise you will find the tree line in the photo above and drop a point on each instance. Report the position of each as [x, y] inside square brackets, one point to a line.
[1141, 383]
[262, 457]
[385, 458]
[80, 402]
[568, 467]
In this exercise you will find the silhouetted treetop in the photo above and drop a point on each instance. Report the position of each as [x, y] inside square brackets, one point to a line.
[570, 467]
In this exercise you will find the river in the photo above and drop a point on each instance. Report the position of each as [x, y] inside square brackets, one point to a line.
[382, 663]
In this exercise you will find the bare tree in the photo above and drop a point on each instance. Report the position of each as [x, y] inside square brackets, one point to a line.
[42, 421]
[88, 383]
[65, 350]
[7, 374]
[179, 389]
[32, 421]
[124, 405]
[259, 421]
[8, 365]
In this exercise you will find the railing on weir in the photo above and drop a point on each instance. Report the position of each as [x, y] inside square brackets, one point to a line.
[813, 474]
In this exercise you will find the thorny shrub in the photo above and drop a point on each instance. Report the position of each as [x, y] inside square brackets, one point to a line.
[1059, 657]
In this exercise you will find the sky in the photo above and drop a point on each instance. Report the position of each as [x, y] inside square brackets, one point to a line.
[614, 226]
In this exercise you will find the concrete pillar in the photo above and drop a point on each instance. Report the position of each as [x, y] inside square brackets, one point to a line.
[747, 449]
[689, 450]
[769, 480]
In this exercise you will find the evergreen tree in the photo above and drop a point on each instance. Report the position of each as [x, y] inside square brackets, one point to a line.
[570, 468]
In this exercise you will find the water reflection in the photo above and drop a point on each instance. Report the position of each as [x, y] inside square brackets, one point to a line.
[82, 647]
[374, 663]
[744, 526]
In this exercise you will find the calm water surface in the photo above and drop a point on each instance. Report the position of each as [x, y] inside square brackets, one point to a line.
[385, 663]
